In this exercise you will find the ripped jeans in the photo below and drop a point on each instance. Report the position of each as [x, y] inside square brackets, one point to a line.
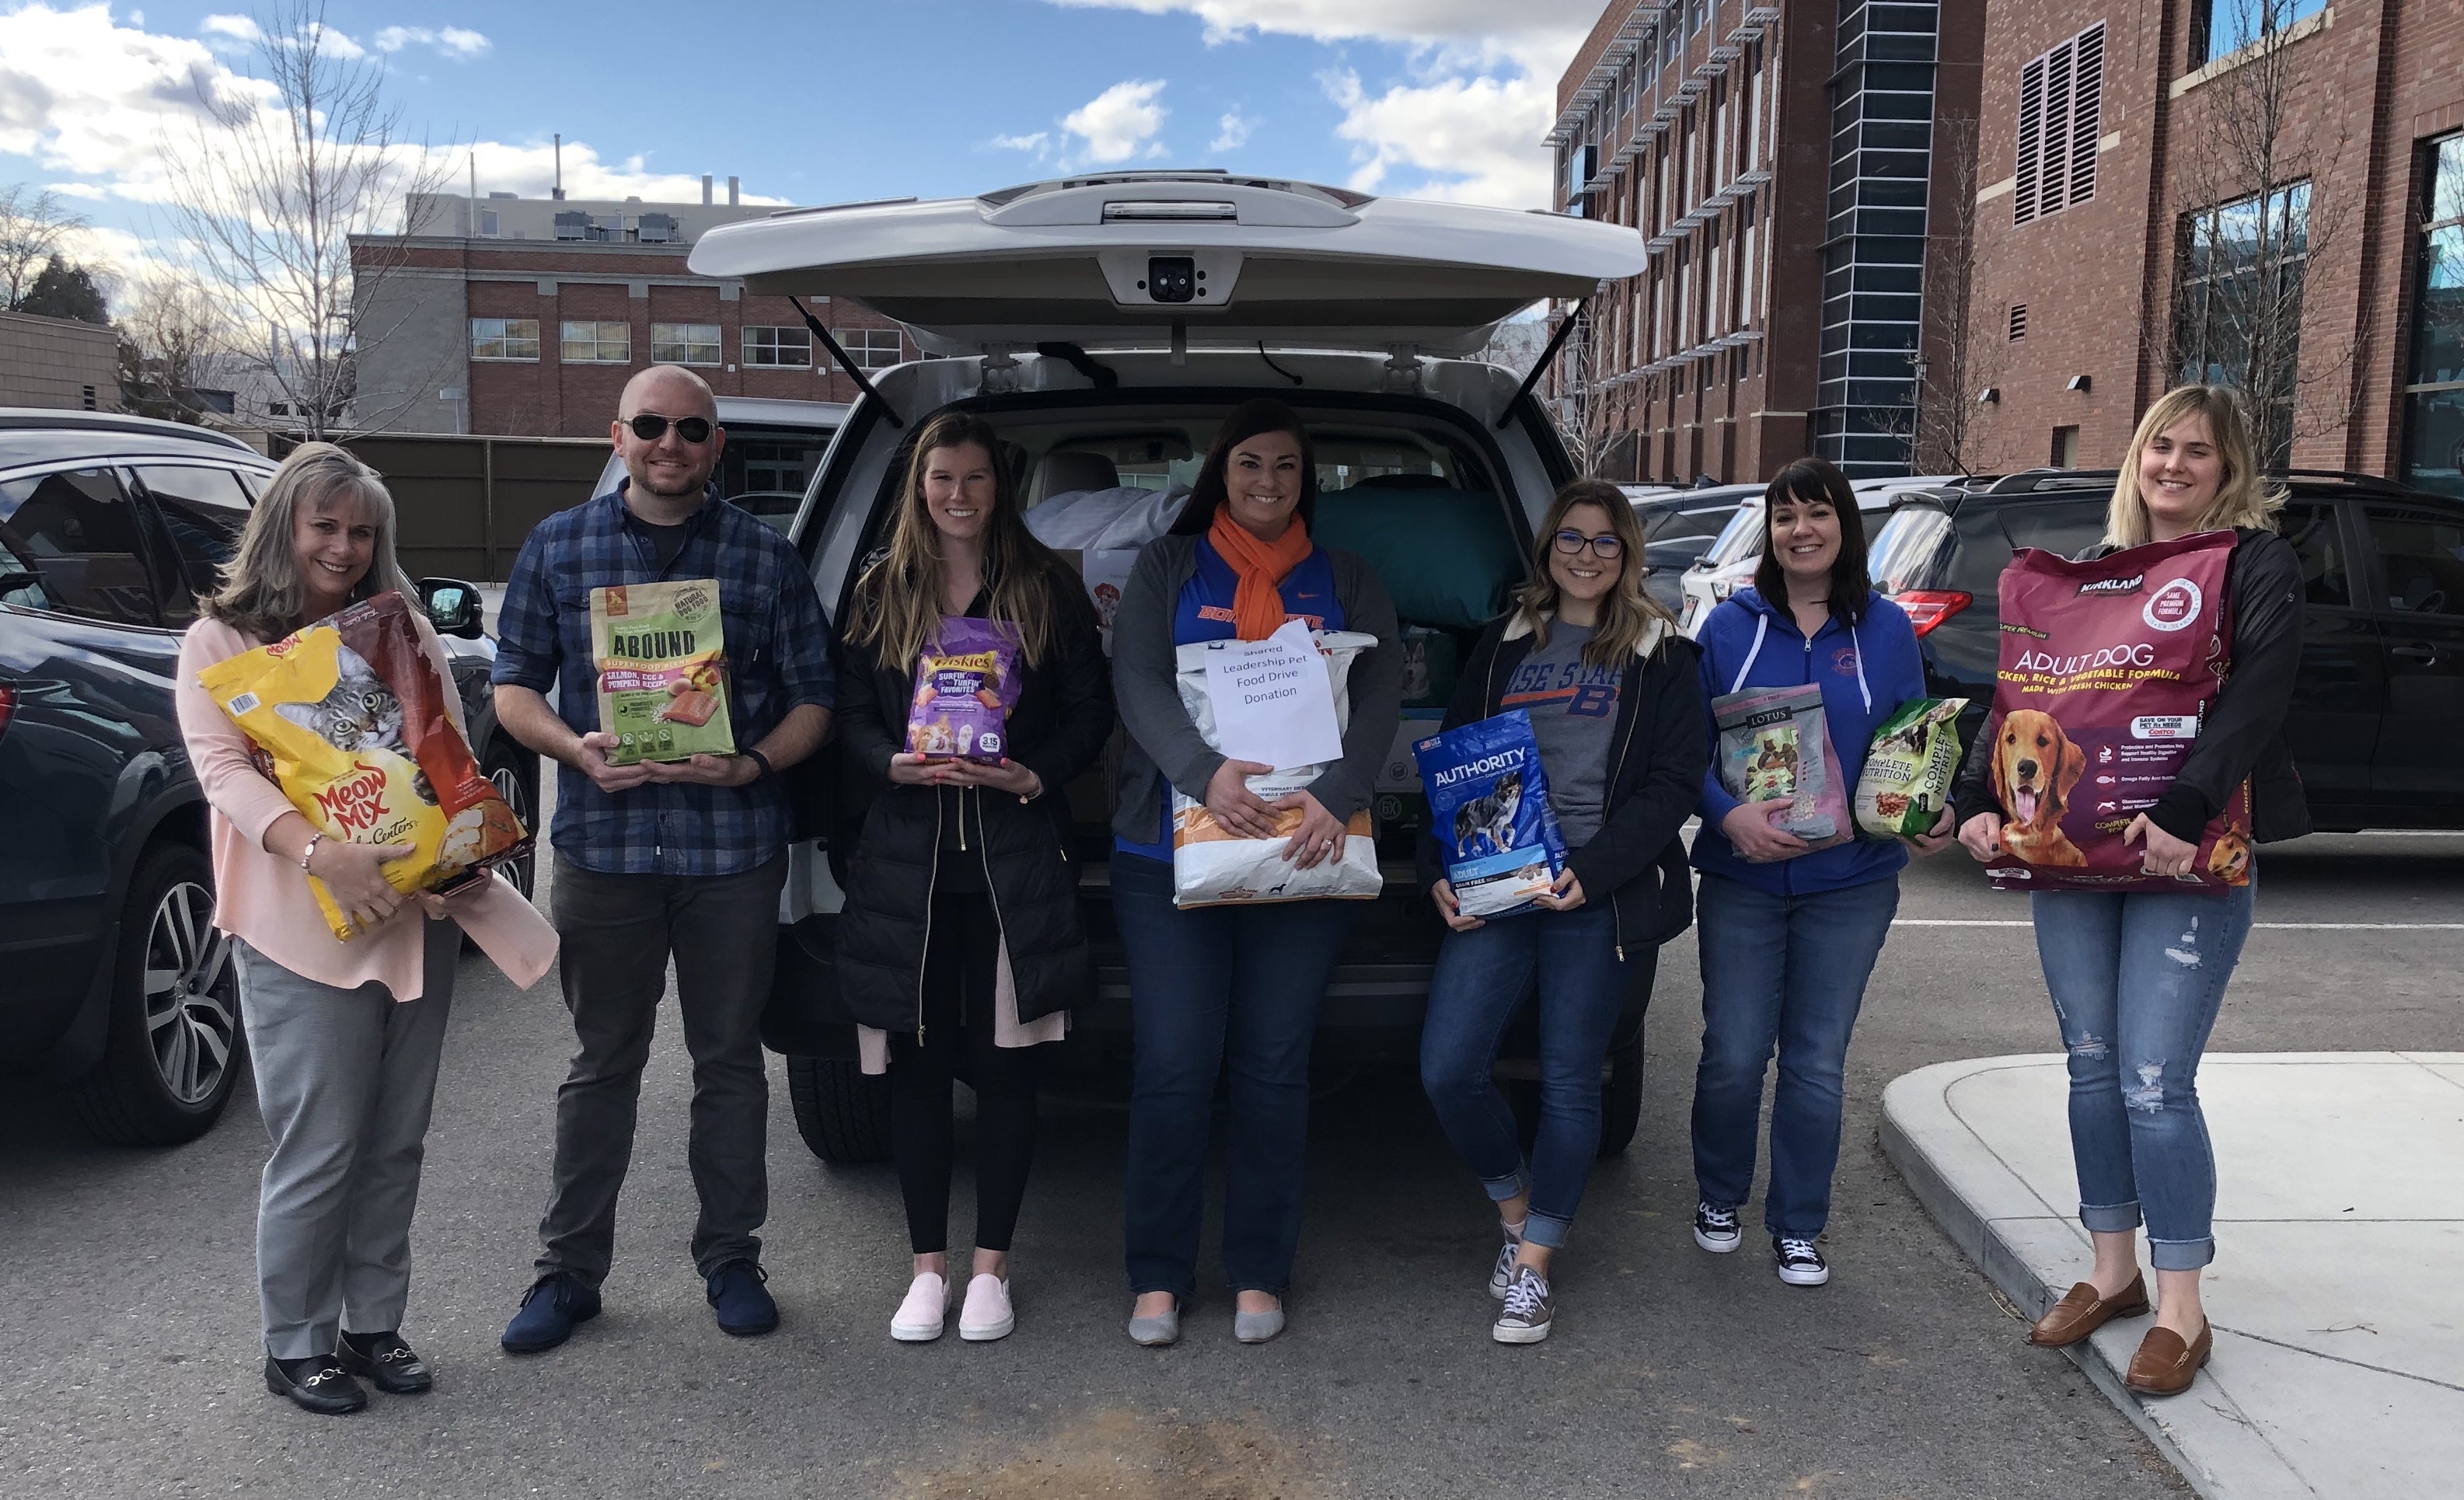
[2137, 979]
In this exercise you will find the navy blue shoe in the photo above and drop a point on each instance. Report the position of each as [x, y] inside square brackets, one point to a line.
[744, 1306]
[555, 1303]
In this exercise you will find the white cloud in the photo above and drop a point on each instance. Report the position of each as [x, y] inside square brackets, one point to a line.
[1475, 139]
[1035, 142]
[1119, 122]
[455, 43]
[222, 32]
[1231, 132]
[1532, 32]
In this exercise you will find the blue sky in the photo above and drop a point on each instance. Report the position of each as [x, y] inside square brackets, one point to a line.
[830, 101]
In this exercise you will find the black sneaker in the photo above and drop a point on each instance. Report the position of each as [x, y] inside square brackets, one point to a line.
[1527, 1309]
[1800, 1263]
[1715, 1230]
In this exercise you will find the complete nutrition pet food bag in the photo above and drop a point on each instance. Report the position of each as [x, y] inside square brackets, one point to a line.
[348, 715]
[1906, 784]
[661, 650]
[1489, 809]
[966, 683]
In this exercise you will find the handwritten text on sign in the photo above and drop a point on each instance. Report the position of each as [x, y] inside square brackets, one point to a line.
[1273, 702]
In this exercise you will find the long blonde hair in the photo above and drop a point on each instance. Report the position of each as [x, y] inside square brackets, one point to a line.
[1626, 612]
[898, 598]
[2244, 496]
[260, 592]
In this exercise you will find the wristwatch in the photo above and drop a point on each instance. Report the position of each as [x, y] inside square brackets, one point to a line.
[760, 759]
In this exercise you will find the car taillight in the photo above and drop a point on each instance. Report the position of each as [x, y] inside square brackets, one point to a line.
[1927, 607]
[8, 706]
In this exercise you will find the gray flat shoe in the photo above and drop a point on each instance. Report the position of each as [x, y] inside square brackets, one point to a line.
[1256, 1328]
[1159, 1332]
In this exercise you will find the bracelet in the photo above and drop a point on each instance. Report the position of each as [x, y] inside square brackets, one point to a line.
[760, 759]
[314, 839]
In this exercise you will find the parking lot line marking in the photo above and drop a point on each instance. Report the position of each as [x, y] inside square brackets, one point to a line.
[2297, 927]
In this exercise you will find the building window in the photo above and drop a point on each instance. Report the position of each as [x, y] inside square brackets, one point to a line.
[2066, 447]
[2220, 27]
[872, 348]
[486, 221]
[597, 343]
[2433, 400]
[2060, 115]
[505, 338]
[2237, 304]
[684, 343]
[779, 347]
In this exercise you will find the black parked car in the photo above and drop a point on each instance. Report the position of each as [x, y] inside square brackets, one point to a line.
[2378, 709]
[117, 980]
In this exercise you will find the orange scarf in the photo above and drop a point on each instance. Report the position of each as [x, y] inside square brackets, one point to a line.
[1258, 602]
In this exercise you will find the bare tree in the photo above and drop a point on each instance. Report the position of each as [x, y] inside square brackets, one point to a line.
[172, 341]
[1943, 433]
[2265, 176]
[33, 225]
[272, 189]
[1585, 410]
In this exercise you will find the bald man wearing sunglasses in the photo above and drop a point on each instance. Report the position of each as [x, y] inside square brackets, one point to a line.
[655, 861]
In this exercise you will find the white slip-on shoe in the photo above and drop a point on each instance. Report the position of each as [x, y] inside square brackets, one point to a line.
[919, 1319]
[986, 1315]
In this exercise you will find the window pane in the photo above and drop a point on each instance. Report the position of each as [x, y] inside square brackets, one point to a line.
[75, 533]
[2433, 442]
[2311, 528]
[2446, 182]
[504, 339]
[601, 341]
[203, 510]
[684, 343]
[2438, 338]
[2423, 554]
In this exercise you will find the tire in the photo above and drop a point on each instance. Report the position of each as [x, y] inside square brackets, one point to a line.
[175, 1048]
[1620, 1102]
[516, 783]
[843, 1114]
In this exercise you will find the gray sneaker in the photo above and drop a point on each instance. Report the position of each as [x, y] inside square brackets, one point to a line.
[1501, 1274]
[1527, 1309]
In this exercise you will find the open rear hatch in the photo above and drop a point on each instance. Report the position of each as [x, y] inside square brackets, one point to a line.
[1168, 259]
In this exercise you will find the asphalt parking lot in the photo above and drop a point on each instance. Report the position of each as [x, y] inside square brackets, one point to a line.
[128, 1307]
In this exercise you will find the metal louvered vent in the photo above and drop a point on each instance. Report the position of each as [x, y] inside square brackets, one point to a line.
[2060, 118]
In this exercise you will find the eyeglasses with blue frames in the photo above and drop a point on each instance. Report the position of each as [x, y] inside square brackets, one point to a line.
[1604, 546]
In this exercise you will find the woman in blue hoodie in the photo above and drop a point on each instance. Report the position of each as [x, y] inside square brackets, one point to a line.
[1789, 933]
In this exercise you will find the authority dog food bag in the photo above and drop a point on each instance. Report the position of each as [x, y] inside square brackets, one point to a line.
[348, 718]
[1773, 742]
[966, 683]
[661, 650]
[2107, 670]
[1906, 784]
[1211, 865]
[1488, 808]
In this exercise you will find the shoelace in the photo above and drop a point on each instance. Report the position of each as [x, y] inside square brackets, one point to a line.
[1798, 1251]
[1716, 1218]
[1524, 1295]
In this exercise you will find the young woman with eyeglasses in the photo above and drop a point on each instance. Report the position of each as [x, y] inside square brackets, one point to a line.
[1789, 933]
[1616, 707]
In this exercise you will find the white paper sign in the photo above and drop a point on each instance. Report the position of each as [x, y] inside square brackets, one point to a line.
[1273, 702]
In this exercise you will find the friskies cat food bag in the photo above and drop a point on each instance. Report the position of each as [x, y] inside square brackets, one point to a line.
[348, 718]
[966, 683]
[1489, 809]
[661, 651]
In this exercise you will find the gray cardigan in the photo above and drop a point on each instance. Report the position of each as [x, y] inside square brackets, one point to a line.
[1145, 682]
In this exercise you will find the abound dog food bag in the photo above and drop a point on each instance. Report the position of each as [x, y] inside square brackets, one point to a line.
[349, 717]
[966, 683]
[661, 650]
[1488, 808]
[2106, 674]
[1773, 742]
[1906, 784]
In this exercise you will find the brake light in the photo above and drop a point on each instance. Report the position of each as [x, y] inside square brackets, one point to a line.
[1927, 607]
[8, 706]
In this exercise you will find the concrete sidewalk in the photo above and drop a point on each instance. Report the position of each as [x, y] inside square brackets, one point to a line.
[2339, 1364]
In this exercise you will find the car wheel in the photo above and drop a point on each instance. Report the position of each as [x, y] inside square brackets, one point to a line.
[1620, 1101]
[514, 780]
[842, 1113]
[174, 1048]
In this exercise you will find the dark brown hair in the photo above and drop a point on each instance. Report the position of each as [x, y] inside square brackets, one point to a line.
[1247, 421]
[1813, 481]
[1626, 612]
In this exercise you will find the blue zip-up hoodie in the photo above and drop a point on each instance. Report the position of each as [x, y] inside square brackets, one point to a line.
[1884, 644]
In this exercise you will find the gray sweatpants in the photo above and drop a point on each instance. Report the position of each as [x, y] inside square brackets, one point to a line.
[345, 1078]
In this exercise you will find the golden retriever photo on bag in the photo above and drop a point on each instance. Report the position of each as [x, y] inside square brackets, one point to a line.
[2034, 767]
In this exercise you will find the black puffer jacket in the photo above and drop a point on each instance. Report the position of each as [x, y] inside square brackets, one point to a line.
[895, 834]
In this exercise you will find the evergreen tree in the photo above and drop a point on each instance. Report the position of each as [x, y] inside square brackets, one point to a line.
[62, 290]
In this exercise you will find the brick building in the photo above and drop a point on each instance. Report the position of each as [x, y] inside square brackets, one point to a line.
[2151, 168]
[1781, 163]
[526, 315]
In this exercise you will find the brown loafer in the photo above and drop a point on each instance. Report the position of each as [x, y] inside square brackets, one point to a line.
[2165, 1365]
[2081, 1313]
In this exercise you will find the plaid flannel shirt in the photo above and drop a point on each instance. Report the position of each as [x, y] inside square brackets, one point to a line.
[778, 657]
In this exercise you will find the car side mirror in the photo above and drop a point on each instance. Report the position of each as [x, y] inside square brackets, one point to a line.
[453, 607]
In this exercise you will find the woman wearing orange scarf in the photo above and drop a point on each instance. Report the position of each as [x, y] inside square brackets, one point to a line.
[1241, 983]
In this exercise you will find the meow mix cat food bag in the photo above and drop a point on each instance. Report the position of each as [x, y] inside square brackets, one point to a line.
[966, 683]
[661, 651]
[348, 718]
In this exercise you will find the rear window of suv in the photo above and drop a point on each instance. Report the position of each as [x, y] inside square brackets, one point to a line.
[1989, 533]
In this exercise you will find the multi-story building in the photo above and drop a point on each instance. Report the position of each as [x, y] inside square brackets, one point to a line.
[2265, 192]
[526, 315]
[1781, 163]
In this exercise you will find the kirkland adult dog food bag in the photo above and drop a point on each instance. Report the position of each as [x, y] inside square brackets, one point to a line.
[1773, 742]
[1211, 865]
[661, 650]
[1488, 808]
[348, 718]
[2107, 670]
[966, 683]
[1906, 784]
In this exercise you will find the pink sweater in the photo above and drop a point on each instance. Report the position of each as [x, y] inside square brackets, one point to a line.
[265, 899]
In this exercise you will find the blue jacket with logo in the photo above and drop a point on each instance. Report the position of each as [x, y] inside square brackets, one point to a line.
[1855, 702]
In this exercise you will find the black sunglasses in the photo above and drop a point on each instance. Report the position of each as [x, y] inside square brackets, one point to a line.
[650, 426]
[1604, 547]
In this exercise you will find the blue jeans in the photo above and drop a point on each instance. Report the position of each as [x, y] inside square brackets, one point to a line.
[1481, 980]
[2136, 979]
[1783, 973]
[1212, 984]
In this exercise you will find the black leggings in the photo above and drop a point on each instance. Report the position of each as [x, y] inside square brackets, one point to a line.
[959, 961]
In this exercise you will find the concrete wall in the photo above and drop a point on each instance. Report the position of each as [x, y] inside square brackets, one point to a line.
[57, 362]
[414, 331]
